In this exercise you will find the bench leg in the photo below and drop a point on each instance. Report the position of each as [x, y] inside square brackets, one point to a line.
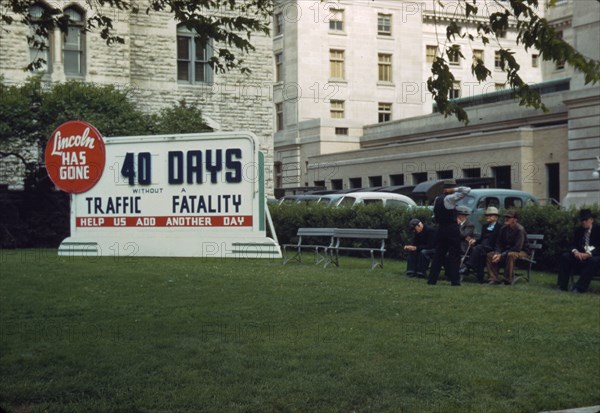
[332, 257]
[296, 257]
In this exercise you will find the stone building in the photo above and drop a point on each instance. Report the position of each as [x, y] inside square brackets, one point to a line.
[160, 62]
[387, 134]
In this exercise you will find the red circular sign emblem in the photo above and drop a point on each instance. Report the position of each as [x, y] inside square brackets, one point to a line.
[75, 156]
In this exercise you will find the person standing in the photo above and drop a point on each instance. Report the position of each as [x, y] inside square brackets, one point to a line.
[485, 243]
[511, 244]
[420, 250]
[448, 235]
[583, 256]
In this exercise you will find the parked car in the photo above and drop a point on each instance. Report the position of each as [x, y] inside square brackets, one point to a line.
[366, 198]
[479, 199]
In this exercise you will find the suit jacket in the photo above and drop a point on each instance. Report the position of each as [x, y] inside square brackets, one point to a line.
[579, 240]
[512, 239]
[425, 240]
[489, 236]
[467, 229]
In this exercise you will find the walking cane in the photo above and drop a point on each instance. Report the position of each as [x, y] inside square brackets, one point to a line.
[462, 261]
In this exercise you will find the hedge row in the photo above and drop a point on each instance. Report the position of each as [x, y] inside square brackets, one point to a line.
[556, 224]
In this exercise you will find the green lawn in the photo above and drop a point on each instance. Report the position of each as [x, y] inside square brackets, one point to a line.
[210, 335]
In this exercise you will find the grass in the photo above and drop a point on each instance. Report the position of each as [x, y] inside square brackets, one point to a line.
[209, 335]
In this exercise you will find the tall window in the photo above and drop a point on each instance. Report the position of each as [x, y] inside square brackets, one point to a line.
[535, 60]
[337, 109]
[454, 58]
[497, 60]
[35, 52]
[74, 43]
[336, 61]
[430, 52]
[384, 24]
[455, 91]
[560, 64]
[385, 112]
[478, 55]
[278, 24]
[384, 62]
[279, 67]
[279, 116]
[193, 57]
[336, 20]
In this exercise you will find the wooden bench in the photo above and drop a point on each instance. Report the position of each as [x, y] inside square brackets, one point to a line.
[342, 234]
[320, 250]
[535, 244]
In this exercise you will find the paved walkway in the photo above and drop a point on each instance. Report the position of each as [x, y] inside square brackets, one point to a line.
[592, 409]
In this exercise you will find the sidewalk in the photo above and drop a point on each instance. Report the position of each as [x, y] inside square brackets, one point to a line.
[592, 409]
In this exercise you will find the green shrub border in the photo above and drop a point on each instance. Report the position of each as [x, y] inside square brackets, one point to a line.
[557, 224]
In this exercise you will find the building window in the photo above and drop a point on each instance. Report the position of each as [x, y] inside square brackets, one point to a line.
[337, 109]
[503, 176]
[384, 62]
[478, 55]
[279, 67]
[320, 184]
[355, 182]
[453, 56]
[560, 64]
[497, 60]
[430, 53]
[279, 116]
[472, 172]
[341, 131]
[193, 57]
[499, 86]
[336, 21]
[448, 174]
[501, 34]
[397, 179]
[336, 62]
[419, 177]
[337, 184]
[74, 43]
[375, 181]
[384, 24]
[40, 49]
[454, 93]
[278, 24]
[535, 60]
[385, 112]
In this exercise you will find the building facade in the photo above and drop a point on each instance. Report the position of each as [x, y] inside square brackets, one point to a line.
[161, 63]
[345, 64]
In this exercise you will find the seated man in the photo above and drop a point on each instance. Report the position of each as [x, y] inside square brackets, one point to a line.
[466, 228]
[583, 256]
[485, 243]
[421, 248]
[511, 244]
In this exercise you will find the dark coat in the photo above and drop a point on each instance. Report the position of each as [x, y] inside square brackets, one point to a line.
[578, 239]
[425, 240]
[512, 239]
[489, 237]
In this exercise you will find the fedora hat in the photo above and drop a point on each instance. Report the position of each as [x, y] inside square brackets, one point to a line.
[449, 183]
[492, 211]
[463, 210]
[586, 214]
[511, 214]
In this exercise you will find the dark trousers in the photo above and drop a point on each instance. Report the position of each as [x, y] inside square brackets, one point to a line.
[568, 265]
[417, 262]
[448, 242]
[477, 260]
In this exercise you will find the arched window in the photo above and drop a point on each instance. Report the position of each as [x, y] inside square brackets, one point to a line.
[74, 43]
[36, 52]
[193, 57]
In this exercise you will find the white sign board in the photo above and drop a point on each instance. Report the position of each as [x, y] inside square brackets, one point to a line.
[193, 195]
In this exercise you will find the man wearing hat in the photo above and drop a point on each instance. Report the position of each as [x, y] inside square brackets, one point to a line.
[448, 235]
[583, 256]
[511, 244]
[485, 243]
[421, 248]
[466, 228]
